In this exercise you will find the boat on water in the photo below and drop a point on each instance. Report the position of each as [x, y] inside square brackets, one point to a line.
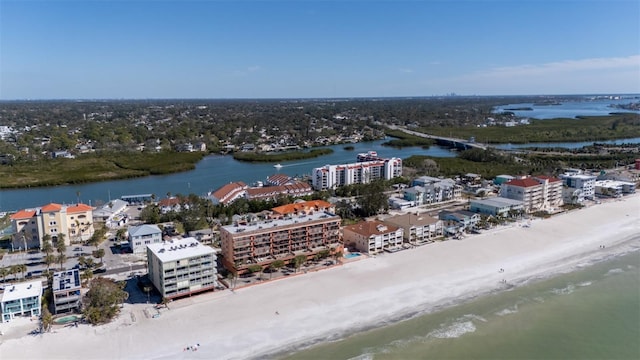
[277, 166]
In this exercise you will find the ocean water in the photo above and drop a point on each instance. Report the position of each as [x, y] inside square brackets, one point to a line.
[591, 313]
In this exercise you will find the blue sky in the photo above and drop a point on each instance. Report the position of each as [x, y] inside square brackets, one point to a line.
[300, 49]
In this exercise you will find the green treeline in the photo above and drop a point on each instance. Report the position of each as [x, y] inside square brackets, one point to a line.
[402, 139]
[593, 128]
[95, 167]
[297, 155]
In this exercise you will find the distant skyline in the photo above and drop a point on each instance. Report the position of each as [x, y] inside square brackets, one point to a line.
[149, 49]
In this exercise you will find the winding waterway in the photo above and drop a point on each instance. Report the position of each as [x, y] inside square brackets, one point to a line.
[216, 170]
[210, 173]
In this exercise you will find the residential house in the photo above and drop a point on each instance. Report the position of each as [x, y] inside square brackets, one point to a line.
[181, 267]
[459, 221]
[21, 299]
[228, 193]
[111, 214]
[143, 235]
[417, 228]
[66, 290]
[373, 237]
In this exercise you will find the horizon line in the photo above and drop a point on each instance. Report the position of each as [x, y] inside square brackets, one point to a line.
[451, 95]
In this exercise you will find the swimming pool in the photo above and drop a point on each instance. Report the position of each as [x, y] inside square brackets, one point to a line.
[67, 319]
[351, 255]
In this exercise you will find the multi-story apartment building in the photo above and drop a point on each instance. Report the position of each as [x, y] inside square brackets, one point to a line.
[537, 193]
[75, 222]
[21, 299]
[333, 176]
[181, 267]
[373, 237]
[281, 238]
[430, 190]
[66, 290]
[577, 180]
[417, 229]
[143, 235]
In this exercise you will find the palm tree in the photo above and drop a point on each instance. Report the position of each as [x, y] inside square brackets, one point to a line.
[60, 259]
[47, 248]
[23, 269]
[13, 270]
[87, 275]
[49, 259]
[298, 261]
[60, 244]
[275, 266]
[46, 318]
[99, 254]
[3, 273]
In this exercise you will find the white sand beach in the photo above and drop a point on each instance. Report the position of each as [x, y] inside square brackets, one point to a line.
[336, 302]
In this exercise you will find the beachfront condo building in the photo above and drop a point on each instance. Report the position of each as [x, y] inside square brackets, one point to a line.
[30, 226]
[143, 235]
[21, 299]
[181, 267]
[430, 190]
[66, 291]
[417, 228]
[373, 237]
[537, 193]
[280, 238]
[333, 176]
[579, 181]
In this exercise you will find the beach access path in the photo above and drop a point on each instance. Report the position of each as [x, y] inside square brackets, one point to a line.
[283, 315]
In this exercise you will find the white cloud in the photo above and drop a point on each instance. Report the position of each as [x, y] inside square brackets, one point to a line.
[564, 66]
[595, 75]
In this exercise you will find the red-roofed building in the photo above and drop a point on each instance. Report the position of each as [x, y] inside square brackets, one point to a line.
[372, 237]
[228, 193]
[31, 225]
[537, 193]
[304, 207]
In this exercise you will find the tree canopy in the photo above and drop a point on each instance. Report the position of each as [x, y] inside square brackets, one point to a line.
[102, 300]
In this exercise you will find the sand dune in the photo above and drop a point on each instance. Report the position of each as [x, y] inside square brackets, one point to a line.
[359, 295]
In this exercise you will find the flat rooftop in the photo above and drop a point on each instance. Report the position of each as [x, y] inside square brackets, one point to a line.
[177, 249]
[498, 201]
[66, 280]
[22, 290]
[276, 223]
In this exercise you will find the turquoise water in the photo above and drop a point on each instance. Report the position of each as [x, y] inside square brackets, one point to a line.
[67, 319]
[593, 313]
[351, 256]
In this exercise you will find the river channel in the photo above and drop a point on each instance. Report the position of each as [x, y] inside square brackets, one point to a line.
[210, 173]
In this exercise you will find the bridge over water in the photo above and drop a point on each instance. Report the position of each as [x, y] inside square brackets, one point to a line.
[461, 144]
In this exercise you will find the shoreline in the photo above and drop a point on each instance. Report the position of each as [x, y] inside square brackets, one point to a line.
[280, 317]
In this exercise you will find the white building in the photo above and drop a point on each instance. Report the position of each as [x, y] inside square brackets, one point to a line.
[584, 182]
[430, 190]
[66, 290]
[333, 176]
[143, 235]
[372, 237]
[21, 299]
[613, 188]
[181, 267]
[496, 206]
[111, 214]
[537, 193]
